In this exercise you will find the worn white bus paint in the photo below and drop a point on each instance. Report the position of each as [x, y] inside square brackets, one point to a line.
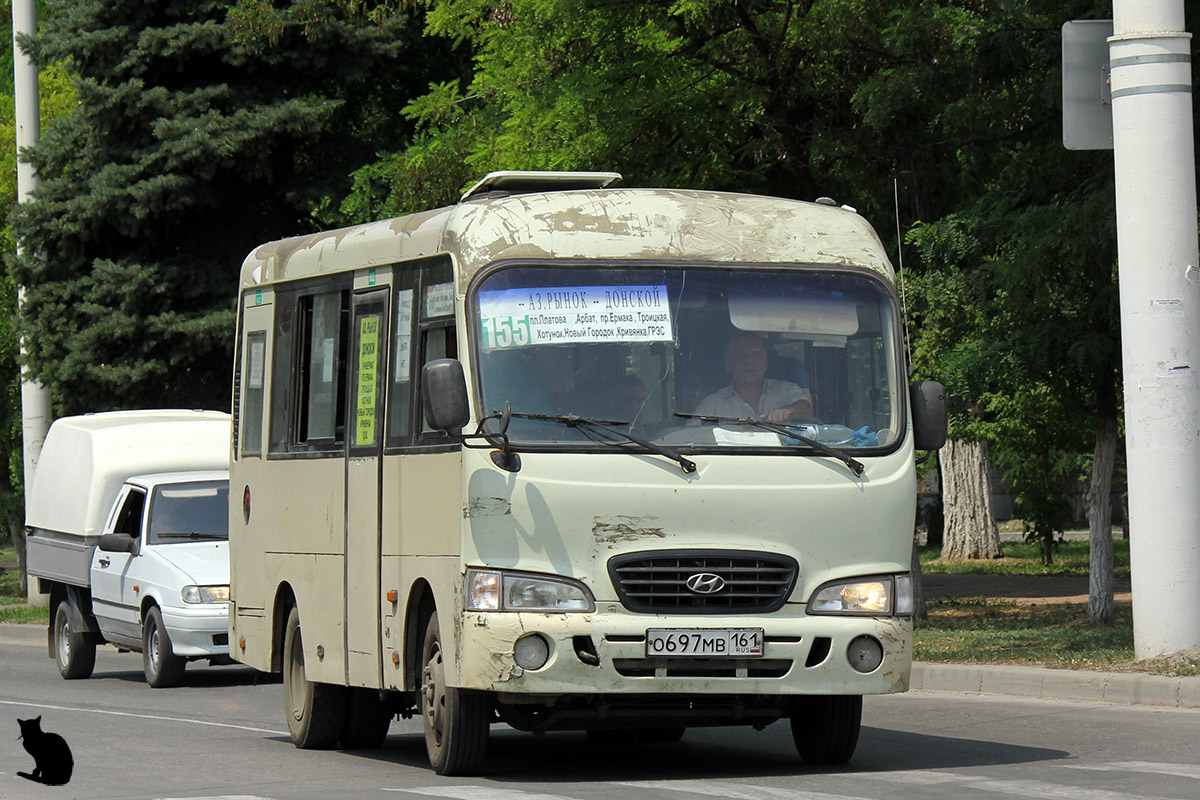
[613, 545]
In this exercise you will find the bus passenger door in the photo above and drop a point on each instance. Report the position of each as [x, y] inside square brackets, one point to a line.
[369, 334]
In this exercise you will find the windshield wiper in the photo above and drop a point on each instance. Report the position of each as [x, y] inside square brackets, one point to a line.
[576, 421]
[788, 431]
[191, 535]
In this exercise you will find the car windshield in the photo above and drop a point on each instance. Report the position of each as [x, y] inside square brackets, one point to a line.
[185, 512]
[677, 356]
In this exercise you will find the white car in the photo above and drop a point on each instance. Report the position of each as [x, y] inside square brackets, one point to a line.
[160, 573]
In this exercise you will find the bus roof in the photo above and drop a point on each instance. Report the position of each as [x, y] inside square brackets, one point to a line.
[624, 224]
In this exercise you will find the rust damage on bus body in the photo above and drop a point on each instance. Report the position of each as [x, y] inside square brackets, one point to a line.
[895, 634]
[623, 528]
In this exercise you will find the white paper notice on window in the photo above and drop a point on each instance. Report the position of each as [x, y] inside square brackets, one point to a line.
[574, 314]
[439, 300]
[404, 320]
[746, 438]
[258, 351]
[327, 360]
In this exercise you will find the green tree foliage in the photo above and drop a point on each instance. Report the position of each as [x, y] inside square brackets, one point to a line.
[202, 129]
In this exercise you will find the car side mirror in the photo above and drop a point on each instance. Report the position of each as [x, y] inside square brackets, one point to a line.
[117, 543]
[929, 415]
[444, 394]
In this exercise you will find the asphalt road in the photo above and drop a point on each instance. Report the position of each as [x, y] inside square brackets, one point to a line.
[222, 735]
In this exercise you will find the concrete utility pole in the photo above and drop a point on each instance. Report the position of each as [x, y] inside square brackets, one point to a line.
[1151, 79]
[35, 399]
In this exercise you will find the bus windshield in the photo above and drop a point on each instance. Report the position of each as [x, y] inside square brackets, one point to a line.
[678, 355]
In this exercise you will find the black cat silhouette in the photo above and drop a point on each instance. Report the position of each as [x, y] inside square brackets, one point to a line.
[51, 756]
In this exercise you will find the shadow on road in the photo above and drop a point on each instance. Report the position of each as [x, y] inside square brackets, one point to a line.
[737, 753]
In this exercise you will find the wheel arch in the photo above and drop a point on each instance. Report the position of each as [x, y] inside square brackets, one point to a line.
[421, 606]
[285, 601]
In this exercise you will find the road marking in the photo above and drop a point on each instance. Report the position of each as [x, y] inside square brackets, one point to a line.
[1020, 788]
[466, 792]
[220, 797]
[737, 791]
[143, 716]
[1178, 770]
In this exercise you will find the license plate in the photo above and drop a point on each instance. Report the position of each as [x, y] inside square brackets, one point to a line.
[706, 642]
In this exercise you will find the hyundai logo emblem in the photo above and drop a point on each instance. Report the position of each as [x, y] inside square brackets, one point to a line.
[705, 583]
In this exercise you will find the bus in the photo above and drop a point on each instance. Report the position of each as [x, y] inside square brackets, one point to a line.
[493, 469]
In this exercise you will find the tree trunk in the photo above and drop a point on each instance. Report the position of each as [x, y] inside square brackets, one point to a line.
[970, 525]
[1101, 608]
[919, 612]
[17, 533]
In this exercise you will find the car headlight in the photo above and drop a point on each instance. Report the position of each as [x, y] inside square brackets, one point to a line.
[877, 596]
[205, 594]
[494, 590]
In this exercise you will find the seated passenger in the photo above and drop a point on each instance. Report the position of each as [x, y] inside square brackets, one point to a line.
[751, 393]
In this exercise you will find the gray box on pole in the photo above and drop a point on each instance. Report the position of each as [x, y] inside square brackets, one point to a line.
[1086, 95]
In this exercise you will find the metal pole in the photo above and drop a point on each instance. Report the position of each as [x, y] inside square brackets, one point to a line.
[1151, 78]
[35, 399]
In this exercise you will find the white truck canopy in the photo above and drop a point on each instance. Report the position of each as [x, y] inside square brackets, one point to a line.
[86, 459]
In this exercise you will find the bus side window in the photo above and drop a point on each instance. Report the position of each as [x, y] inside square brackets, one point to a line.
[254, 377]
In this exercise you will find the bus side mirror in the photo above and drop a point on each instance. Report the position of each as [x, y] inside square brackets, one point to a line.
[444, 394]
[929, 415]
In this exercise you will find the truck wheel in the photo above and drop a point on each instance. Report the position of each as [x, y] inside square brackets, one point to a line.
[75, 652]
[825, 729]
[162, 667]
[316, 712]
[367, 720]
[456, 720]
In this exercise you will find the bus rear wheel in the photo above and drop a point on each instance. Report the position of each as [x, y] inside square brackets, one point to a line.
[316, 712]
[825, 728]
[455, 720]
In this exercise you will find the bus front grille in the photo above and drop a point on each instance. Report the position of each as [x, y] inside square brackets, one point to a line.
[703, 581]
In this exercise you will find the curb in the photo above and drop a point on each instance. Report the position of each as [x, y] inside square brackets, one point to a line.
[22, 633]
[1057, 684]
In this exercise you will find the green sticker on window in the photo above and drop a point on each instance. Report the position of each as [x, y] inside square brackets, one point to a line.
[368, 380]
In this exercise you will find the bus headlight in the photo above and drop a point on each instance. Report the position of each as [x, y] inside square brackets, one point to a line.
[493, 590]
[878, 596]
[205, 594]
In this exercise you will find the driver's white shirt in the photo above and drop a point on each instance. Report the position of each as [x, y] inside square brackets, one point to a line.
[727, 403]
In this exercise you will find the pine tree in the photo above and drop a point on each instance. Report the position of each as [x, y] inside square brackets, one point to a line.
[202, 129]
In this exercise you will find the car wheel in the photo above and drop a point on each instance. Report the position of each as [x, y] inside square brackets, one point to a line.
[162, 667]
[75, 652]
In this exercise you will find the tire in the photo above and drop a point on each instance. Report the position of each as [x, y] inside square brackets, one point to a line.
[456, 721]
[162, 667]
[825, 729]
[367, 720]
[74, 652]
[316, 712]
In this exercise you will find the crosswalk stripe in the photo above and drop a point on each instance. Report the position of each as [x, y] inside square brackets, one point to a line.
[1178, 770]
[462, 792]
[736, 791]
[1019, 788]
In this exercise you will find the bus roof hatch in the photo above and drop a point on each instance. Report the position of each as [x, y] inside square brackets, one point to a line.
[521, 182]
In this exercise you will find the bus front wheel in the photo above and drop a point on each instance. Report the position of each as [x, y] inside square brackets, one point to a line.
[316, 712]
[455, 720]
[825, 728]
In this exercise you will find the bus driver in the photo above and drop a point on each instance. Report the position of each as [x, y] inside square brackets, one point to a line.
[751, 393]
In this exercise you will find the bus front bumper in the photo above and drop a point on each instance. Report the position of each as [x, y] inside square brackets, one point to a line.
[605, 652]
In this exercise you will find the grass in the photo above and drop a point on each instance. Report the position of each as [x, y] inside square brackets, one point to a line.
[1056, 635]
[1024, 558]
[13, 605]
